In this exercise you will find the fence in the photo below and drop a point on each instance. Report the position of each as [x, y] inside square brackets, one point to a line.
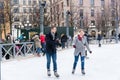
[12, 50]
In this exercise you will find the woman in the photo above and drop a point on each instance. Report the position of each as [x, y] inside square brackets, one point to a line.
[79, 43]
[37, 44]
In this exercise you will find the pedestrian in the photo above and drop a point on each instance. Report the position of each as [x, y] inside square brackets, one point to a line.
[63, 40]
[119, 36]
[51, 52]
[43, 43]
[9, 38]
[37, 45]
[21, 37]
[87, 37]
[99, 38]
[80, 43]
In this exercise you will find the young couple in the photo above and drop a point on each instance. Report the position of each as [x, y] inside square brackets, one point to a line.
[79, 44]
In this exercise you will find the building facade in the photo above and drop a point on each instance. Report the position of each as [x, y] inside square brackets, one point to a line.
[58, 9]
[24, 15]
[24, 11]
[99, 14]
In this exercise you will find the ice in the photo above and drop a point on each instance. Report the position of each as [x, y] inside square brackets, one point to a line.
[103, 64]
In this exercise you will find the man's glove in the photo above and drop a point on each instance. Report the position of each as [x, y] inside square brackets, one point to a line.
[90, 52]
[74, 46]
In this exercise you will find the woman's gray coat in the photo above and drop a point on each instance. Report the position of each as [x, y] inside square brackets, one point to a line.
[80, 46]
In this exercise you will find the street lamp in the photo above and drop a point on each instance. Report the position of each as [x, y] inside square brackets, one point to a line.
[42, 5]
[117, 27]
[81, 20]
[67, 22]
[20, 27]
[27, 25]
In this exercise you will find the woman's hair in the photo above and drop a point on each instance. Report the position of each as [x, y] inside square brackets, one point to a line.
[81, 30]
[53, 27]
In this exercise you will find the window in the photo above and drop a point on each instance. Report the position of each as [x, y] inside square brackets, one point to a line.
[30, 10]
[62, 5]
[1, 18]
[24, 18]
[16, 1]
[16, 19]
[34, 2]
[51, 10]
[29, 2]
[24, 2]
[24, 10]
[62, 24]
[57, 8]
[54, 18]
[92, 22]
[81, 2]
[92, 2]
[102, 2]
[16, 10]
[30, 18]
[54, 9]
[112, 3]
[68, 3]
[92, 12]
[113, 23]
[113, 13]
[45, 10]
[102, 12]
[62, 15]
[81, 13]
[103, 23]
[34, 10]
[1, 5]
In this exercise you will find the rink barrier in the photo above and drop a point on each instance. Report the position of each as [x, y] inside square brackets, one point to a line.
[12, 50]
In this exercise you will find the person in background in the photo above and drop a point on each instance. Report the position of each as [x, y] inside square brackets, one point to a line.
[20, 38]
[99, 38]
[51, 52]
[63, 40]
[119, 36]
[87, 37]
[79, 43]
[43, 43]
[37, 45]
[9, 38]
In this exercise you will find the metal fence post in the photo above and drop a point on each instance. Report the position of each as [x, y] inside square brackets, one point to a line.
[117, 31]
[24, 44]
[0, 58]
[14, 45]
[33, 48]
[0, 52]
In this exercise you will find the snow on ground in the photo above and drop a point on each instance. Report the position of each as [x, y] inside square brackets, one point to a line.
[103, 64]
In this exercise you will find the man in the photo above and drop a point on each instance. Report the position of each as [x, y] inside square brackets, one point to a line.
[99, 38]
[79, 43]
[51, 51]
